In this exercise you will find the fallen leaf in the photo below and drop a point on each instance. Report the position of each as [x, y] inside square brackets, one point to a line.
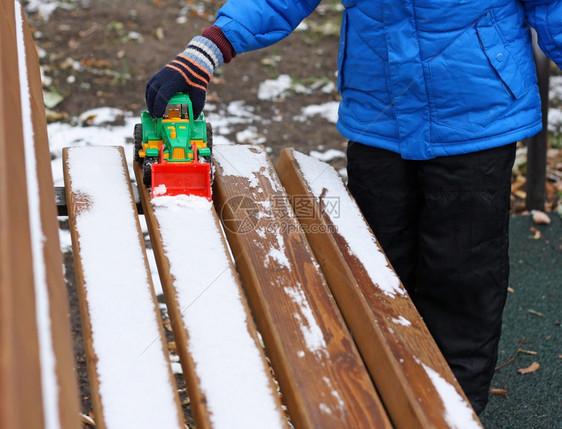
[502, 392]
[90, 62]
[88, 420]
[537, 233]
[535, 313]
[540, 218]
[531, 368]
[550, 190]
[89, 31]
[73, 44]
[52, 116]
[159, 33]
[510, 289]
[528, 352]
[67, 64]
[52, 98]
[518, 184]
[167, 325]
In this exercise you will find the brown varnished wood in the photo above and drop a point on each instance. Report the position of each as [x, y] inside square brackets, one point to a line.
[68, 401]
[20, 377]
[198, 401]
[391, 351]
[334, 376]
[77, 202]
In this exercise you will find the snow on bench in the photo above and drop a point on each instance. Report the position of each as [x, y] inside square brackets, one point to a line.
[416, 384]
[322, 378]
[228, 380]
[128, 365]
[38, 388]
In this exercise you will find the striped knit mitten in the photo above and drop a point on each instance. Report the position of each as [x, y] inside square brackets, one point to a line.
[188, 72]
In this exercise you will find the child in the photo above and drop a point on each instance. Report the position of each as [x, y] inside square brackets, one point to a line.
[434, 95]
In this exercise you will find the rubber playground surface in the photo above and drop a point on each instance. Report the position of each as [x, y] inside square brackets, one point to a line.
[531, 332]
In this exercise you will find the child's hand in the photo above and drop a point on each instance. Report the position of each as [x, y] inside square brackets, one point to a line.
[189, 72]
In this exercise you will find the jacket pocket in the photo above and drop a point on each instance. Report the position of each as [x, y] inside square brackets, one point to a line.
[475, 79]
[500, 58]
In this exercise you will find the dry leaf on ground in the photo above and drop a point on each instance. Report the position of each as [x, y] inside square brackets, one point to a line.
[502, 392]
[531, 368]
[536, 232]
[88, 420]
[540, 218]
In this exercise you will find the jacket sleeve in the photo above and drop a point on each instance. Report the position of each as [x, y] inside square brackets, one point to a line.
[546, 18]
[254, 24]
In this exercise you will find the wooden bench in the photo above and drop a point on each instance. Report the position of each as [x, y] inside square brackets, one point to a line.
[411, 375]
[38, 388]
[343, 345]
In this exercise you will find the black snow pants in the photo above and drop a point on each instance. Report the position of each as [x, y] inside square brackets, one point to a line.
[443, 223]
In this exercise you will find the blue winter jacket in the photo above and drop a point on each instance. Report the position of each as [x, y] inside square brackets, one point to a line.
[426, 78]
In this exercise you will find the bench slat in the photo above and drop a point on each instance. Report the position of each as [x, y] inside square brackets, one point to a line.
[228, 380]
[129, 371]
[19, 359]
[36, 337]
[320, 372]
[414, 380]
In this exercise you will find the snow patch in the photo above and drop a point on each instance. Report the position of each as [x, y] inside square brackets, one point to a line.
[245, 166]
[279, 256]
[325, 182]
[65, 240]
[49, 386]
[313, 336]
[329, 155]
[100, 116]
[272, 89]
[458, 413]
[45, 7]
[227, 359]
[133, 372]
[555, 91]
[159, 190]
[63, 135]
[401, 320]
[554, 120]
[250, 136]
[328, 111]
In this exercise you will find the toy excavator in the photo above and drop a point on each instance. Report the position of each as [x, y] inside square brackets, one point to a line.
[175, 151]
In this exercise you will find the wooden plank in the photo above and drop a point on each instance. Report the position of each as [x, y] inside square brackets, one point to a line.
[416, 385]
[322, 378]
[128, 366]
[19, 350]
[228, 379]
[61, 398]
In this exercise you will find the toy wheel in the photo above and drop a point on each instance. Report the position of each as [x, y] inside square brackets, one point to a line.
[138, 142]
[209, 135]
[147, 171]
